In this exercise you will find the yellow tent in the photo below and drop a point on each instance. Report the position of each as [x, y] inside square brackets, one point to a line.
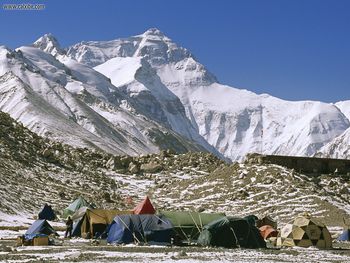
[96, 220]
[305, 231]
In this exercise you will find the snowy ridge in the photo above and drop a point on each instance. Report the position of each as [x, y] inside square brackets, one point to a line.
[339, 147]
[344, 106]
[232, 120]
[49, 44]
[139, 81]
[144, 93]
[73, 103]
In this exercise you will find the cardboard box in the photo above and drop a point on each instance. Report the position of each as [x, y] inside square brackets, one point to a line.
[41, 241]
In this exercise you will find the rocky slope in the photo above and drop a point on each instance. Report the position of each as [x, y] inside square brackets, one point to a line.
[34, 171]
[244, 189]
[55, 173]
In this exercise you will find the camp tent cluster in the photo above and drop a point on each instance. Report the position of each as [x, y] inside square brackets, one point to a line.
[144, 224]
[93, 222]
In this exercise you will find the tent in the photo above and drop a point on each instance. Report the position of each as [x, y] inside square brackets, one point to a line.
[93, 222]
[78, 203]
[144, 207]
[252, 219]
[268, 231]
[345, 236]
[79, 213]
[38, 228]
[151, 229]
[305, 231]
[47, 213]
[231, 232]
[77, 218]
[187, 224]
[266, 220]
[76, 231]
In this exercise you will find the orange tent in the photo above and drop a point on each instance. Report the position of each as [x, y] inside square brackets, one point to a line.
[267, 231]
[145, 207]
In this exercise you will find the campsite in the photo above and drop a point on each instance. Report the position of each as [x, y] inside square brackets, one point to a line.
[144, 234]
[175, 131]
[195, 199]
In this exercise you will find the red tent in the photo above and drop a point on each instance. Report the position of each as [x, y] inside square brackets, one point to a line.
[267, 231]
[145, 207]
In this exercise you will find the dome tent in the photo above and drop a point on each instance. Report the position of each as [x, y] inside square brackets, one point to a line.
[231, 232]
[151, 229]
[305, 231]
[188, 225]
[345, 236]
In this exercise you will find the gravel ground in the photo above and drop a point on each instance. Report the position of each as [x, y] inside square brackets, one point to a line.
[85, 251]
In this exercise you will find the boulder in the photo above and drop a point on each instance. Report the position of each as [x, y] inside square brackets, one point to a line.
[125, 161]
[133, 168]
[151, 167]
[110, 164]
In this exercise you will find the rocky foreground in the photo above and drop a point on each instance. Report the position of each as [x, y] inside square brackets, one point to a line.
[85, 252]
[34, 171]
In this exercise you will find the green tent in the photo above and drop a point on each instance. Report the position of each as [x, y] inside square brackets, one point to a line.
[231, 232]
[187, 224]
[78, 203]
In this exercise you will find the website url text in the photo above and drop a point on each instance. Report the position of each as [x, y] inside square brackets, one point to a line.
[15, 7]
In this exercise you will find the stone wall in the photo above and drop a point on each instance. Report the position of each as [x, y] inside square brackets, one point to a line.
[303, 164]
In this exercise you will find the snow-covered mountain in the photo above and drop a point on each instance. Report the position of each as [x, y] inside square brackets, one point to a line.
[340, 146]
[145, 93]
[232, 120]
[71, 102]
[344, 106]
[337, 148]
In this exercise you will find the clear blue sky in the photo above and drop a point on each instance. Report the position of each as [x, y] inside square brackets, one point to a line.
[292, 49]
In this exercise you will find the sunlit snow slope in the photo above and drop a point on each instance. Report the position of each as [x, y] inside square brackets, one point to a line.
[234, 121]
[60, 98]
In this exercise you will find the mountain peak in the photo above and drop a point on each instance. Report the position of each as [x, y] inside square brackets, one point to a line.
[49, 44]
[153, 32]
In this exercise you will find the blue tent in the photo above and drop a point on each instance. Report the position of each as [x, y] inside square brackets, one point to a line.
[47, 213]
[39, 228]
[345, 236]
[76, 231]
[151, 229]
